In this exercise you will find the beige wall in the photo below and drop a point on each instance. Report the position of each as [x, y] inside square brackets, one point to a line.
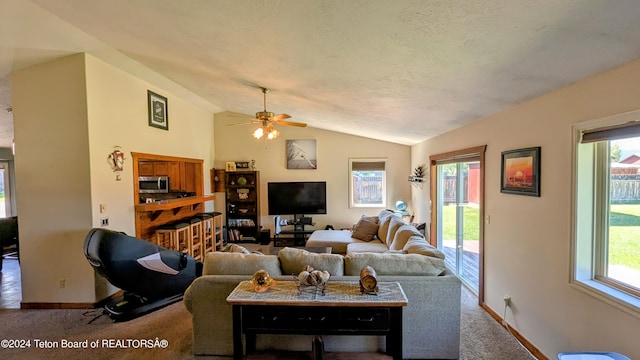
[68, 115]
[235, 143]
[527, 243]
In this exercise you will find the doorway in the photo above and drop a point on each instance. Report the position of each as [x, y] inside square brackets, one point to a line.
[10, 277]
[5, 190]
[457, 192]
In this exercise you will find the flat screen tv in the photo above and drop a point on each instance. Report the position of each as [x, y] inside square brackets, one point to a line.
[297, 198]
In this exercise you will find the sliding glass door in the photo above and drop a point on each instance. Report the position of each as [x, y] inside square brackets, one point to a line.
[457, 193]
[458, 218]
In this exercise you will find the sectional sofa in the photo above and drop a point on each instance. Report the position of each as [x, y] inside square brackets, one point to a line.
[431, 321]
[385, 232]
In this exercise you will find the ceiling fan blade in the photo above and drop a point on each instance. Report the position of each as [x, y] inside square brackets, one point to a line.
[291, 123]
[279, 117]
[245, 123]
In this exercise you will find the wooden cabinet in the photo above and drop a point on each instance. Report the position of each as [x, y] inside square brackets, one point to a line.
[146, 168]
[175, 177]
[190, 176]
[153, 168]
[161, 168]
[243, 205]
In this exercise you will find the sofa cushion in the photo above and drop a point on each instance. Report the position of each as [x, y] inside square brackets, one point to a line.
[394, 264]
[383, 228]
[402, 235]
[383, 214]
[394, 225]
[293, 260]
[419, 245]
[337, 240]
[367, 246]
[236, 263]
[365, 229]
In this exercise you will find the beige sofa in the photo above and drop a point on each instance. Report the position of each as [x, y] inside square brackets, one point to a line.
[431, 321]
[385, 232]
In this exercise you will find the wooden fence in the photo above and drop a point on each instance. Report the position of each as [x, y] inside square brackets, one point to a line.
[367, 189]
[449, 184]
[624, 188]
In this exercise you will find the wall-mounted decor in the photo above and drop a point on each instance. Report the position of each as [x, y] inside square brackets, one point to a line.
[158, 110]
[521, 172]
[301, 154]
[418, 174]
[116, 161]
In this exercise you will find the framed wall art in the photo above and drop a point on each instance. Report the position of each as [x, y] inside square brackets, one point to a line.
[302, 154]
[521, 172]
[158, 110]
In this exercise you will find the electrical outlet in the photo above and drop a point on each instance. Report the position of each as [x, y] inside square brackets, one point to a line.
[507, 300]
[104, 222]
[62, 283]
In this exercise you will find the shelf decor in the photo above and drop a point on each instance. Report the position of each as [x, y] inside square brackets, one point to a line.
[418, 174]
[521, 172]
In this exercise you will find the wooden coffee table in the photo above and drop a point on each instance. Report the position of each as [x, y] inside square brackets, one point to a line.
[343, 310]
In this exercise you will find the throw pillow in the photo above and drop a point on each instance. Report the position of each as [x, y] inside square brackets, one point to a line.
[402, 235]
[365, 229]
[237, 248]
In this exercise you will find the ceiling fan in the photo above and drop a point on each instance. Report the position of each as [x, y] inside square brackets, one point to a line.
[267, 120]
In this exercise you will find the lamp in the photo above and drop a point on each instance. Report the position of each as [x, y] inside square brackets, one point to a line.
[266, 129]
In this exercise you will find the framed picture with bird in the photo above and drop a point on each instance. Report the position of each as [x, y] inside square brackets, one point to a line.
[301, 154]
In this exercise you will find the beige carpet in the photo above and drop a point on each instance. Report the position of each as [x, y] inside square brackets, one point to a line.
[482, 337]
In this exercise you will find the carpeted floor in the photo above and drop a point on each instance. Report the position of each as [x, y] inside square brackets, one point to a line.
[482, 337]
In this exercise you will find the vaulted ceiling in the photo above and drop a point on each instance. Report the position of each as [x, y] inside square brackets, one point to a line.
[401, 71]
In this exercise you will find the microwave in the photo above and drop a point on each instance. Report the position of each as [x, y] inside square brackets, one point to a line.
[153, 184]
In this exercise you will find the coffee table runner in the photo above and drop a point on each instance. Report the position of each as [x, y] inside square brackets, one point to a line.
[336, 293]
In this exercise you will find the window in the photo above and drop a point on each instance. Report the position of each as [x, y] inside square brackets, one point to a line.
[606, 251]
[367, 183]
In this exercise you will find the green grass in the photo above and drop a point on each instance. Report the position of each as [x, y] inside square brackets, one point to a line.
[624, 235]
[471, 223]
[624, 231]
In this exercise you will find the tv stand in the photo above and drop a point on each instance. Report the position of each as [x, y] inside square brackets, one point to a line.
[299, 234]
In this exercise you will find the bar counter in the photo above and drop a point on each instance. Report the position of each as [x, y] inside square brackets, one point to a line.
[150, 216]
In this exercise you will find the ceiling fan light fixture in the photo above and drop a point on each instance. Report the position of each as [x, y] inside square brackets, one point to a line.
[259, 133]
[273, 134]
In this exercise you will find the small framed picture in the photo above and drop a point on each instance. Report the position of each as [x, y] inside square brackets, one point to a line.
[521, 172]
[242, 165]
[230, 166]
[158, 110]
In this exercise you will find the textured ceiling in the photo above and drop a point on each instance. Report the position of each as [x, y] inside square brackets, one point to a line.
[400, 71]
